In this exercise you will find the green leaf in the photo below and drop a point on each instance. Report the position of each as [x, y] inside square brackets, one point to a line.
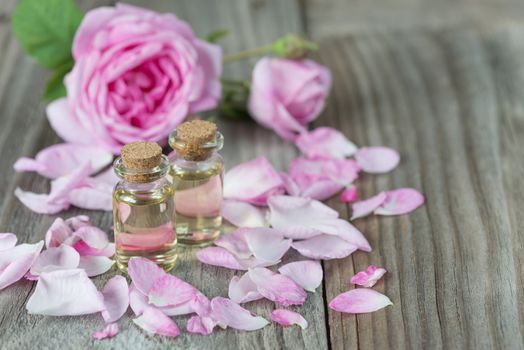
[55, 87]
[45, 29]
[215, 36]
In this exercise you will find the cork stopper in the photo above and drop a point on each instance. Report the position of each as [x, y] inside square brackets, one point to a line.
[191, 136]
[140, 155]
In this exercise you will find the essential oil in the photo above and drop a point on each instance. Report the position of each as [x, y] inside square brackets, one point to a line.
[144, 207]
[197, 175]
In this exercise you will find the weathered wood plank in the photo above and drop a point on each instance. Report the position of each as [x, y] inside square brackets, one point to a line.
[450, 102]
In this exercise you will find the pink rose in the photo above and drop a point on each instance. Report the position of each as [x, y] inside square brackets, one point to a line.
[288, 94]
[137, 75]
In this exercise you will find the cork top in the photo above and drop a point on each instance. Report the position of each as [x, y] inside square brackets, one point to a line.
[141, 162]
[194, 140]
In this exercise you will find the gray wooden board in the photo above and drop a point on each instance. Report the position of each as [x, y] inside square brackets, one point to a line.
[450, 99]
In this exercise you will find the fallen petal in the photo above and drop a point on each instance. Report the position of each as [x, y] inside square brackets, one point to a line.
[143, 273]
[349, 195]
[16, 262]
[154, 321]
[58, 233]
[324, 247]
[39, 203]
[278, 288]
[367, 206]
[109, 331]
[218, 256]
[243, 289]
[229, 314]
[95, 265]
[200, 325]
[7, 240]
[92, 236]
[401, 201]
[170, 290]
[137, 300]
[307, 273]
[65, 293]
[116, 299]
[91, 198]
[235, 243]
[267, 244]
[325, 142]
[359, 301]
[288, 318]
[377, 160]
[290, 185]
[59, 258]
[369, 277]
[243, 214]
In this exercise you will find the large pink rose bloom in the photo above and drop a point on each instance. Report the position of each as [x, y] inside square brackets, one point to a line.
[137, 75]
[288, 94]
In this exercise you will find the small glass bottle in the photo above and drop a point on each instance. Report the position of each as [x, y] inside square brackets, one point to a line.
[143, 206]
[197, 173]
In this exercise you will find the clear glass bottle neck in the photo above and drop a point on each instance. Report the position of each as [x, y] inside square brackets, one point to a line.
[141, 177]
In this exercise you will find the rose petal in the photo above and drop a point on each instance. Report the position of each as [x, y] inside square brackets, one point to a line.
[325, 142]
[144, 273]
[39, 203]
[219, 257]
[235, 243]
[91, 198]
[359, 301]
[16, 261]
[377, 160]
[243, 214]
[243, 289]
[116, 299]
[278, 288]
[307, 273]
[288, 318]
[401, 201]
[7, 240]
[65, 124]
[201, 325]
[92, 236]
[84, 250]
[230, 314]
[137, 300]
[59, 258]
[65, 293]
[267, 244]
[169, 290]
[349, 195]
[61, 159]
[324, 247]
[154, 321]
[58, 233]
[290, 185]
[369, 277]
[253, 182]
[109, 331]
[367, 206]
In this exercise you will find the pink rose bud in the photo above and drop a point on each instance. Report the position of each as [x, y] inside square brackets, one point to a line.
[137, 75]
[286, 95]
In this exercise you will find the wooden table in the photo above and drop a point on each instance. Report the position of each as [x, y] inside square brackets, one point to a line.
[442, 83]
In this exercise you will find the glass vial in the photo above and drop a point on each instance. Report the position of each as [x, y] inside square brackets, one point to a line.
[143, 206]
[197, 172]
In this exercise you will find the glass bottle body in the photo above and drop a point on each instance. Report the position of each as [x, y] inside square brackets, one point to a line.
[198, 197]
[144, 222]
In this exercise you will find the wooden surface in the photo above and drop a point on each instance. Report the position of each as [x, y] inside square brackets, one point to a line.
[447, 92]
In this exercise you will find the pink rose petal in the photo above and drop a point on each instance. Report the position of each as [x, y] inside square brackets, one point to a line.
[219, 257]
[349, 195]
[92, 236]
[91, 198]
[61, 159]
[253, 182]
[401, 201]
[367, 206]
[95, 265]
[144, 273]
[229, 314]
[137, 300]
[324, 247]
[235, 243]
[307, 273]
[59, 258]
[288, 318]
[109, 331]
[116, 299]
[347, 232]
[359, 301]
[200, 325]
[325, 142]
[154, 321]
[290, 185]
[16, 261]
[369, 277]
[7, 240]
[243, 289]
[170, 290]
[65, 293]
[377, 160]
[278, 288]
[58, 233]
[267, 244]
[243, 214]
